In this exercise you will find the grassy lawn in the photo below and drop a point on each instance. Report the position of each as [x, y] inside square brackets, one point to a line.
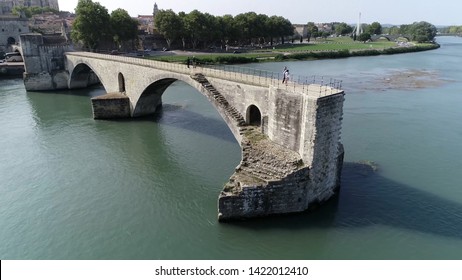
[322, 45]
[212, 56]
[334, 44]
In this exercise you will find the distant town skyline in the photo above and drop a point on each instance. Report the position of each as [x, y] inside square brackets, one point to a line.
[443, 12]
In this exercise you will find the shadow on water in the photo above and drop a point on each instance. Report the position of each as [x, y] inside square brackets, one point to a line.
[177, 116]
[168, 114]
[368, 199]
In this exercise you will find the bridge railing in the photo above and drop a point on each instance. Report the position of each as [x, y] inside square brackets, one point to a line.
[316, 86]
[308, 84]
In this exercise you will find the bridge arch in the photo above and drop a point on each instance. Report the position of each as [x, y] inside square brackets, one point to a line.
[253, 116]
[151, 97]
[82, 76]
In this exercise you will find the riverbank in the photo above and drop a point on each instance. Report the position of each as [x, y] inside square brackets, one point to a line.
[300, 52]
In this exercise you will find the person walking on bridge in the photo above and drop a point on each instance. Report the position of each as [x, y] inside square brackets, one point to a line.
[285, 75]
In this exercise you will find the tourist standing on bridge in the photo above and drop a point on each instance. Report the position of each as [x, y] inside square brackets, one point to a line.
[285, 75]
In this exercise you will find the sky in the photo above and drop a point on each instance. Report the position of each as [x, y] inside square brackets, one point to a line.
[441, 12]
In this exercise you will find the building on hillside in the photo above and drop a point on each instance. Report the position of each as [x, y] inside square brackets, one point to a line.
[6, 6]
[325, 27]
[10, 29]
[146, 22]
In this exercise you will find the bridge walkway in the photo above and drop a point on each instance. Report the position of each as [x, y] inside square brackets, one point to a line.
[313, 86]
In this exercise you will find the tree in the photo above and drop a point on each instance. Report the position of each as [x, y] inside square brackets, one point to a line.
[422, 32]
[91, 25]
[284, 28]
[364, 37]
[343, 29]
[210, 30]
[30, 11]
[195, 25]
[394, 30]
[167, 22]
[123, 26]
[228, 31]
[375, 28]
[182, 33]
[313, 30]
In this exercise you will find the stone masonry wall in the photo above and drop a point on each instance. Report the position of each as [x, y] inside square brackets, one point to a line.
[327, 148]
[44, 65]
[111, 106]
[285, 118]
[271, 180]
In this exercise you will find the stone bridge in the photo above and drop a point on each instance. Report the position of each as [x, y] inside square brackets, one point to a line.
[289, 134]
[389, 37]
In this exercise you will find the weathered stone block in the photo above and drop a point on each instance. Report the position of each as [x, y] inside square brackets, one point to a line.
[111, 106]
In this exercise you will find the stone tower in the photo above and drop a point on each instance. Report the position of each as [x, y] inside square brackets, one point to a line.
[154, 13]
[156, 10]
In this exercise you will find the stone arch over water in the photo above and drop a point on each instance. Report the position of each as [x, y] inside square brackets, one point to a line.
[253, 116]
[150, 98]
[83, 76]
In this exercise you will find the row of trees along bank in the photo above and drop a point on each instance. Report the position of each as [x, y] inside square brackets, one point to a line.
[418, 31]
[94, 25]
[453, 30]
[197, 29]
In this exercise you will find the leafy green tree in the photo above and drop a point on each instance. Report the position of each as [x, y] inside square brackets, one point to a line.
[453, 30]
[196, 27]
[124, 27]
[30, 11]
[18, 10]
[394, 30]
[375, 28]
[405, 29]
[242, 23]
[283, 28]
[364, 37]
[91, 25]
[343, 29]
[423, 32]
[228, 31]
[210, 30]
[182, 33]
[313, 30]
[167, 22]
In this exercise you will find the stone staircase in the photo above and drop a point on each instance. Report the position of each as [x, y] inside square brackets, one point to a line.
[220, 99]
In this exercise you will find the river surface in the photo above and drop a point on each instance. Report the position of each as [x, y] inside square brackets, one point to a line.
[76, 188]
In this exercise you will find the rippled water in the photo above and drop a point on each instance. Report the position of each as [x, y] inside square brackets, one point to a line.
[75, 188]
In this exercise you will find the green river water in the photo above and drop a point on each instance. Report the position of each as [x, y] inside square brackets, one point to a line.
[76, 188]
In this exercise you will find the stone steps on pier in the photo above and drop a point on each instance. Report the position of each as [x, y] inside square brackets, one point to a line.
[220, 99]
[263, 159]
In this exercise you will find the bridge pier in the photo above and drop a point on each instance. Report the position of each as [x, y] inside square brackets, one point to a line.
[44, 65]
[111, 106]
